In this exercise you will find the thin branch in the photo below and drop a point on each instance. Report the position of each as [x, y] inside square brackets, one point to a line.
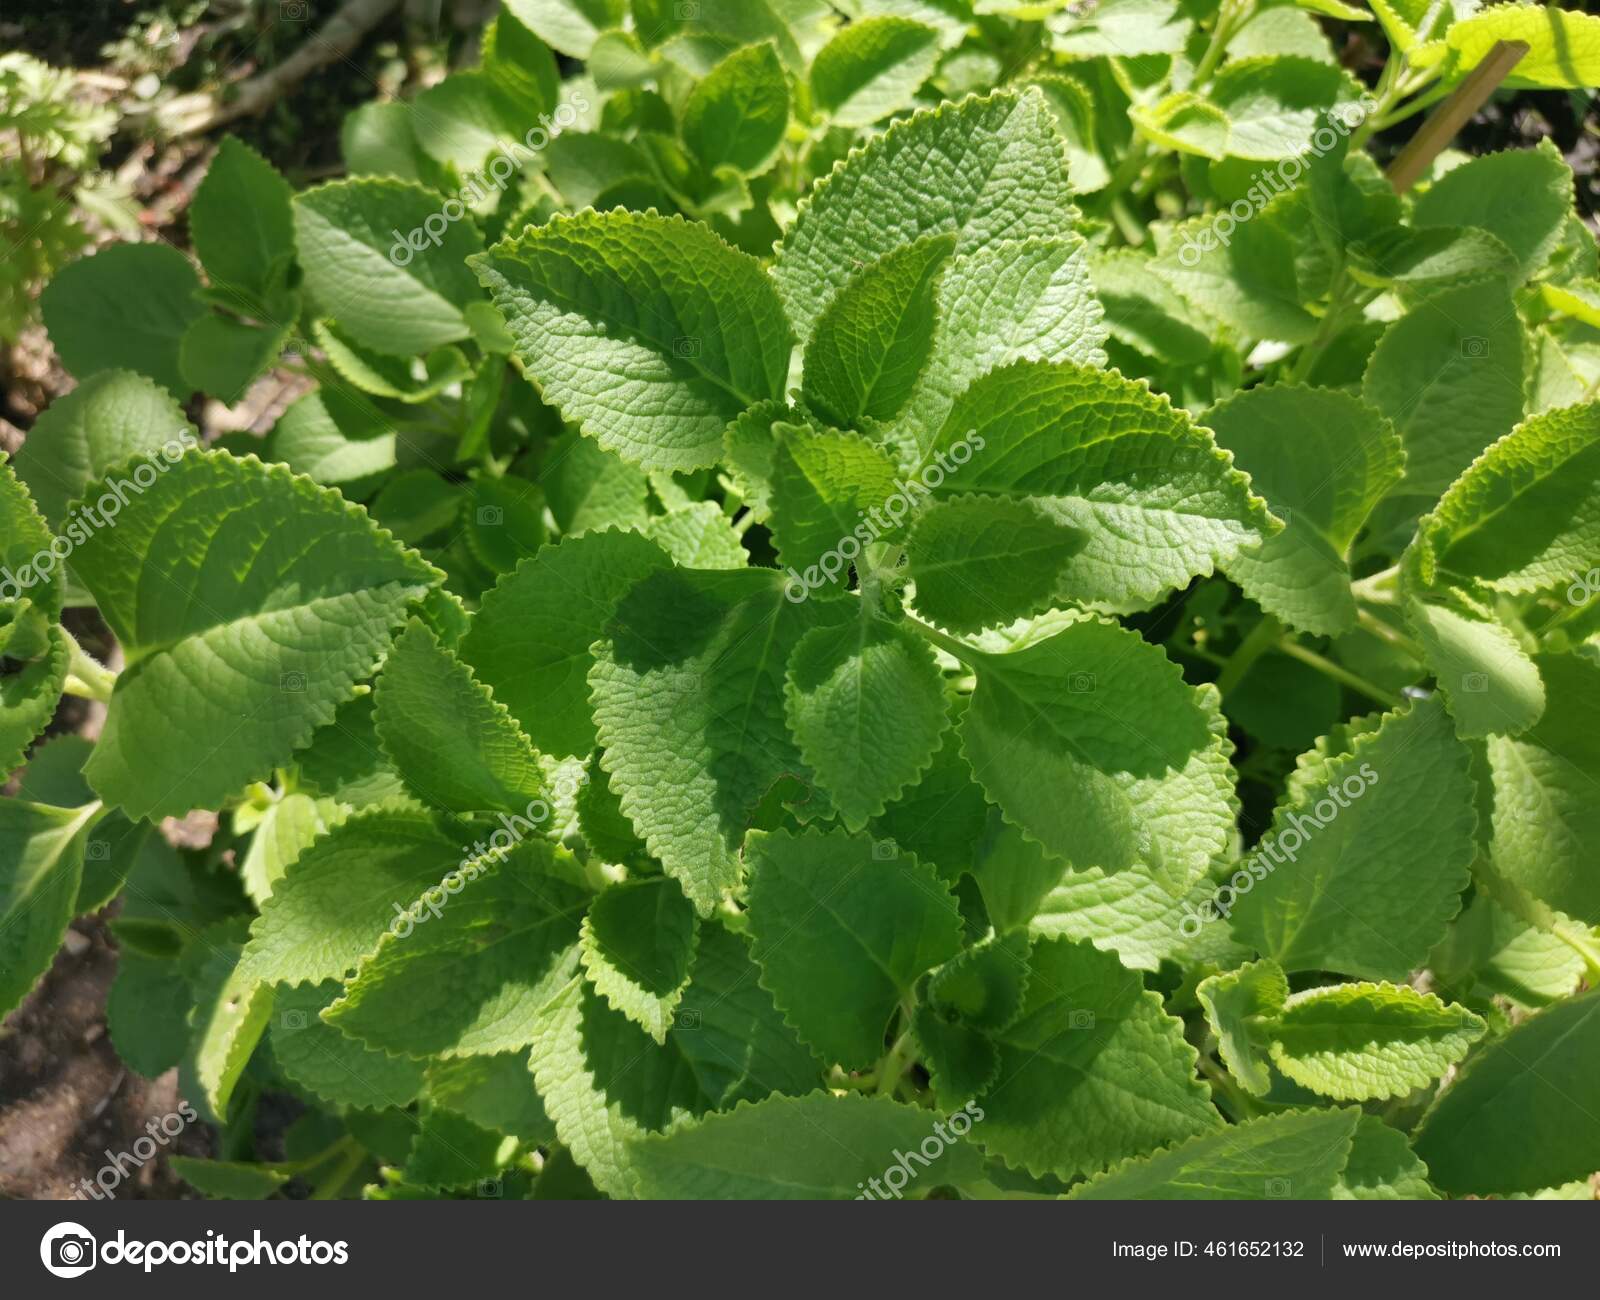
[336, 39]
[1446, 121]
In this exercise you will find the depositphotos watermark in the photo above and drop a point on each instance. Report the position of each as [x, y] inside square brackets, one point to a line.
[480, 855]
[116, 1170]
[70, 1250]
[84, 520]
[907, 494]
[898, 1176]
[1273, 853]
[1270, 182]
[507, 160]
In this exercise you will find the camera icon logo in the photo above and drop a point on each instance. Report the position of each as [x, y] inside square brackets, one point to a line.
[1081, 683]
[97, 851]
[292, 683]
[1473, 347]
[1080, 1019]
[67, 1250]
[1474, 683]
[686, 346]
[491, 516]
[885, 850]
[1278, 1189]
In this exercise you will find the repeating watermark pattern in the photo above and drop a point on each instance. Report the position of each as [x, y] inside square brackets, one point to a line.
[71, 1250]
[1272, 853]
[121, 1166]
[892, 1183]
[1270, 182]
[506, 161]
[907, 495]
[85, 520]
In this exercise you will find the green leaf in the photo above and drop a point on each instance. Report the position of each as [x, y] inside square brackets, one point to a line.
[1249, 282]
[1525, 517]
[127, 307]
[336, 438]
[30, 569]
[1545, 815]
[1490, 950]
[1449, 375]
[606, 1083]
[529, 642]
[1371, 879]
[330, 1066]
[873, 68]
[688, 704]
[495, 1092]
[1382, 1167]
[841, 930]
[380, 256]
[589, 488]
[638, 944]
[147, 1013]
[343, 893]
[287, 828]
[451, 1150]
[1490, 684]
[389, 376]
[1521, 196]
[1513, 1120]
[107, 419]
[1323, 460]
[1122, 29]
[1092, 743]
[455, 745]
[1364, 1042]
[1029, 300]
[463, 119]
[1235, 1004]
[874, 339]
[222, 356]
[228, 571]
[941, 816]
[230, 1012]
[960, 1060]
[816, 1147]
[1275, 104]
[985, 169]
[866, 706]
[1564, 45]
[41, 862]
[649, 333]
[228, 1180]
[1156, 501]
[1092, 1071]
[826, 491]
[240, 223]
[1296, 1155]
[571, 26]
[737, 115]
[478, 962]
[983, 560]
[699, 536]
[1186, 122]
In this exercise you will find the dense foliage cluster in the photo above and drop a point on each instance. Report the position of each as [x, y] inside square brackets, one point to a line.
[863, 600]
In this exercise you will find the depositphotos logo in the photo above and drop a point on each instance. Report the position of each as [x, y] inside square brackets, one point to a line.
[69, 1250]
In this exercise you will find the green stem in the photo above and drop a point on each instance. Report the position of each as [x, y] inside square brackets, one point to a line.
[1237, 1100]
[956, 649]
[1344, 676]
[1388, 634]
[1266, 634]
[334, 1180]
[899, 1057]
[87, 678]
[1230, 18]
